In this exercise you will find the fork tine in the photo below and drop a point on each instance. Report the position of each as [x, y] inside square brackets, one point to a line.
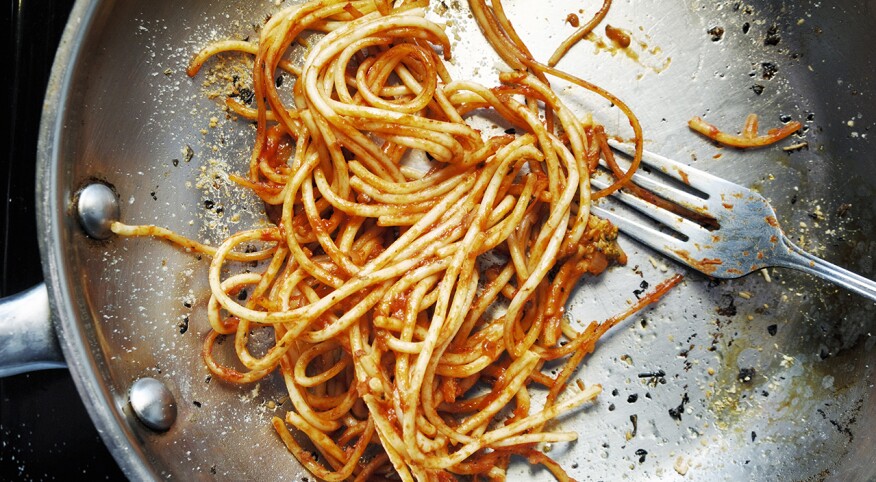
[692, 177]
[681, 225]
[638, 231]
[677, 196]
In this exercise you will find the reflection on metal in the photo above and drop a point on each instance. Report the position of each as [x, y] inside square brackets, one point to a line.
[27, 340]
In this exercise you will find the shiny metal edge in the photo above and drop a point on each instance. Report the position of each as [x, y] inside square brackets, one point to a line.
[101, 404]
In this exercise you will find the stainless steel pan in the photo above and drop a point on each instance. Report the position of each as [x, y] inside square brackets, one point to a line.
[736, 380]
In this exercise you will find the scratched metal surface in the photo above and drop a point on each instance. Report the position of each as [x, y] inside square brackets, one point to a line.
[744, 379]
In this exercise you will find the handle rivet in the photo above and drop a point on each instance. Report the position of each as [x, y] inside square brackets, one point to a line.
[153, 404]
[97, 208]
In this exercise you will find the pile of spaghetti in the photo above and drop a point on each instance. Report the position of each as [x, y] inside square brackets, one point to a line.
[413, 309]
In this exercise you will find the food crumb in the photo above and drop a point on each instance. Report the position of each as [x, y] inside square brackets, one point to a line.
[717, 33]
[573, 20]
[681, 465]
[745, 294]
[214, 121]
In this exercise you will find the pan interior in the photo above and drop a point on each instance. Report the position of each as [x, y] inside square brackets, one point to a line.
[762, 377]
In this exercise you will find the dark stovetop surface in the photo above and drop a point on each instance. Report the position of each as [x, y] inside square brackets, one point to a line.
[45, 432]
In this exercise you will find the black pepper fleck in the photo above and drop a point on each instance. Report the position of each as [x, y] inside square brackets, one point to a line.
[753, 435]
[632, 398]
[772, 330]
[209, 204]
[746, 27]
[643, 286]
[196, 403]
[642, 453]
[241, 295]
[184, 326]
[676, 412]
[757, 89]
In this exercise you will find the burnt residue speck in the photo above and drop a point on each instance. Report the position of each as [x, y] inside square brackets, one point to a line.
[184, 326]
[196, 403]
[753, 435]
[716, 33]
[757, 89]
[772, 36]
[175, 162]
[634, 419]
[773, 329]
[676, 412]
[746, 27]
[730, 308]
[642, 453]
[746, 375]
[614, 392]
[611, 407]
[209, 204]
[768, 70]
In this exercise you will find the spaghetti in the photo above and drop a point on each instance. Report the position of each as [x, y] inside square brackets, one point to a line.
[749, 137]
[412, 311]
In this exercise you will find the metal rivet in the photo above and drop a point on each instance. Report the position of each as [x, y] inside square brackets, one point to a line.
[97, 208]
[153, 404]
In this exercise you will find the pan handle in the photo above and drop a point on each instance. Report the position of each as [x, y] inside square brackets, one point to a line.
[27, 336]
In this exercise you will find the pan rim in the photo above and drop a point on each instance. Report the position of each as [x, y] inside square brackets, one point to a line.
[52, 199]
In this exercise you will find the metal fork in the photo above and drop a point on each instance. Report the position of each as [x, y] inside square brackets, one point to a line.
[748, 237]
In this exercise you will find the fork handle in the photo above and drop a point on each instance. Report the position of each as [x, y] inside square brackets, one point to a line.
[798, 259]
